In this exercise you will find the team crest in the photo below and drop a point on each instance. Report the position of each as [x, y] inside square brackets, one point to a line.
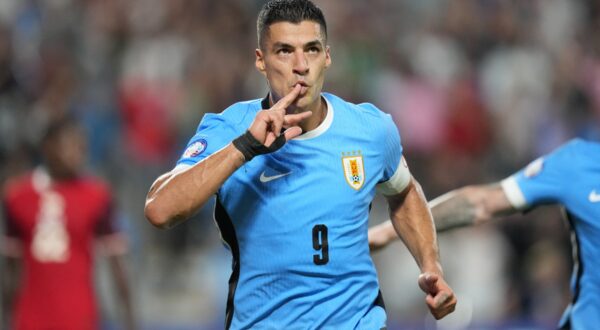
[354, 169]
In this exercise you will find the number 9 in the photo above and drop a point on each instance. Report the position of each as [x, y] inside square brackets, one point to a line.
[319, 235]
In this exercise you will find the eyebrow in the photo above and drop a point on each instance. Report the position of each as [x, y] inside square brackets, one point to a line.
[312, 43]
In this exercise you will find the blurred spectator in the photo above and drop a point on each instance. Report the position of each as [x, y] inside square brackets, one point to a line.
[52, 217]
[477, 88]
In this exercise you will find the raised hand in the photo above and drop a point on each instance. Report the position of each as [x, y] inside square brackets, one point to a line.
[267, 124]
[440, 299]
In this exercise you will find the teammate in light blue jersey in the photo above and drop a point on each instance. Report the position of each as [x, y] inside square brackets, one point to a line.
[294, 176]
[569, 176]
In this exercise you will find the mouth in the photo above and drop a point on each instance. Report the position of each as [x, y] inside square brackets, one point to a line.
[304, 87]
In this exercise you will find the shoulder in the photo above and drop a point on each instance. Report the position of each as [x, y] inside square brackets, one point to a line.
[234, 115]
[17, 186]
[95, 186]
[366, 111]
[572, 152]
[580, 146]
[576, 146]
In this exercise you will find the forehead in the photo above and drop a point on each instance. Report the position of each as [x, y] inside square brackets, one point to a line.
[294, 33]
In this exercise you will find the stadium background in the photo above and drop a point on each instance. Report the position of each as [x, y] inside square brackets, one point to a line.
[478, 88]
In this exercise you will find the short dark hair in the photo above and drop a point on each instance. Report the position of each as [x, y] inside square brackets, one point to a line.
[293, 11]
[57, 126]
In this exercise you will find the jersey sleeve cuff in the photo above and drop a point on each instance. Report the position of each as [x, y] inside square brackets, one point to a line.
[513, 193]
[398, 182]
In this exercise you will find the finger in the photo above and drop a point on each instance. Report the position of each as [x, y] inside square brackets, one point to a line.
[276, 122]
[292, 132]
[295, 119]
[440, 299]
[430, 301]
[269, 139]
[440, 313]
[285, 101]
[441, 307]
[428, 283]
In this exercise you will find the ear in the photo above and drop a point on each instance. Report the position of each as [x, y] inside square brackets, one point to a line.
[260, 61]
[327, 57]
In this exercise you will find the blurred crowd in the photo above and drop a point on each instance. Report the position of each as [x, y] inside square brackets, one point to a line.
[478, 88]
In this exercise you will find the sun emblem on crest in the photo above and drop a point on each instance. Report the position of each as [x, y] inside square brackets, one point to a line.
[354, 169]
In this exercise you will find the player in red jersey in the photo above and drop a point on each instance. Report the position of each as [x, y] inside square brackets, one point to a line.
[53, 216]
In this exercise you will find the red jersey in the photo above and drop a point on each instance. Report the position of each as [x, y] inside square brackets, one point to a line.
[56, 223]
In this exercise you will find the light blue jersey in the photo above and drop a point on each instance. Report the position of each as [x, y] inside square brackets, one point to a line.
[570, 176]
[296, 220]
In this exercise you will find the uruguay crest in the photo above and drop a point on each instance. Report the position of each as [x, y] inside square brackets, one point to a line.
[354, 169]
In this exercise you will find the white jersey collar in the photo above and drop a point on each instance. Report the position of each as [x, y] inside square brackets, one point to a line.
[323, 127]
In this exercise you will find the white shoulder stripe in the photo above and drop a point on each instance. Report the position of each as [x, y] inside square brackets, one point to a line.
[513, 193]
[398, 182]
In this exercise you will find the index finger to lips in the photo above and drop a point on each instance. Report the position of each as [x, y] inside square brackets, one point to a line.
[288, 99]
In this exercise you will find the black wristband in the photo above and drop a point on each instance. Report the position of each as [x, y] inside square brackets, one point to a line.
[250, 146]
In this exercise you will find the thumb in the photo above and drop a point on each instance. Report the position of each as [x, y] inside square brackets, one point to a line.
[428, 283]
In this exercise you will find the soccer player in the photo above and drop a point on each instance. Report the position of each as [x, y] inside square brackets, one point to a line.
[52, 217]
[569, 176]
[294, 174]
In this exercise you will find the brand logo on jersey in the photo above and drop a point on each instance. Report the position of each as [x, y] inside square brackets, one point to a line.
[354, 169]
[195, 149]
[534, 168]
[594, 197]
[264, 178]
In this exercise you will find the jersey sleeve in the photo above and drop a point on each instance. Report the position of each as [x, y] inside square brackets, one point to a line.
[541, 182]
[396, 175]
[213, 133]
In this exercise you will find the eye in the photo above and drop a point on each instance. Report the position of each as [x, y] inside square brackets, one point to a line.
[314, 49]
[284, 51]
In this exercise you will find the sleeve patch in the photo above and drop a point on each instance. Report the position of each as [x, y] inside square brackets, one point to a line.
[195, 149]
[534, 168]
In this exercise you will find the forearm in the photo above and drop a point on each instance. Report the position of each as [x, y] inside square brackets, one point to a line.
[469, 205]
[176, 197]
[122, 284]
[452, 210]
[10, 281]
[413, 222]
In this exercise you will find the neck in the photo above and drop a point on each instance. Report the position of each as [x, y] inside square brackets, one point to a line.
[319, 111]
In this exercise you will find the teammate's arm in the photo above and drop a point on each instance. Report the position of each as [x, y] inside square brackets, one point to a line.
[461, 207]
[174, 197]
[470, 205]
[118, 269]
[413, 222]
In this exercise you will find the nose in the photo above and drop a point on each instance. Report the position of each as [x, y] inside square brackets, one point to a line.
[300, 63]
